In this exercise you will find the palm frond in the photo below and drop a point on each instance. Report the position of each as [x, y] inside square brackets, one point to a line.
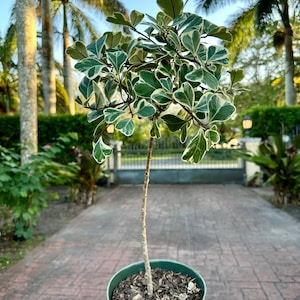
[242, 29]
[212, 5]
[264, 10]
[81, 24]
[9, 45]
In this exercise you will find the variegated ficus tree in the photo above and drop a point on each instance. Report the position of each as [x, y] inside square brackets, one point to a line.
[167, 73]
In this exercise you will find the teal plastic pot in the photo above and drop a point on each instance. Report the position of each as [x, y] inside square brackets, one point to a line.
[158, 263]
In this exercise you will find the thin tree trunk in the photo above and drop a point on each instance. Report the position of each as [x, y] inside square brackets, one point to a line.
[26, 42]
[67, 69]
[48, 66]
[148, 274]
[290, 90]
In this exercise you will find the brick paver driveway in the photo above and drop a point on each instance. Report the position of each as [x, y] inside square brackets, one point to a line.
[243, 247]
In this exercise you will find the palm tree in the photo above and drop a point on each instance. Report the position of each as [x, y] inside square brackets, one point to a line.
[73, 16]
[48, 65]
[27, 46]
[258, 15]
[8, 78]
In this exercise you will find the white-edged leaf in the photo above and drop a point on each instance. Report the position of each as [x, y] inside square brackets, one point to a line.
[147, 84]
[217, 55]
[185, 95]
[126, 126]
[145, 109]
[90, 66]
[160, 97]
[191, 41]
[112, 114]
[96, 46]
[196, 148]
[219, 109]
[101, 151]
[93, 115]
[117, 59]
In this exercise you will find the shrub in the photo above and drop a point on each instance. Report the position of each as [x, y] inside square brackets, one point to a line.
[22, 186]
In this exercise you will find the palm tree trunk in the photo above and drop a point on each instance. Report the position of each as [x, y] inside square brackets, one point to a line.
[67, 69]
[48, 66]
[290, 90]
[26, 42]
[148, 274]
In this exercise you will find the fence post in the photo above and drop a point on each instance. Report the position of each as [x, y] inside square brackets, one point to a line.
[115, 162]
[251, 169]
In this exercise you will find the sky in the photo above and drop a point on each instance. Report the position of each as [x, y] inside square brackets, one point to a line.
[144, 6]
[150, 7]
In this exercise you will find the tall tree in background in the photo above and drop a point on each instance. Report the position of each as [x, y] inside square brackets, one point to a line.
[74, 17]
[27, 45]
[9, 101]
[48, 65]
[258, 15]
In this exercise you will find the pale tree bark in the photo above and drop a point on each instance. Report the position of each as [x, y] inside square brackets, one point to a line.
[48, 66]
[290, 90]
[26, 43]
[67, 68]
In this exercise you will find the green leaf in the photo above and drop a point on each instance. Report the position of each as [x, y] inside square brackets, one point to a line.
[212, 136]
[202, 104]
[217, 55]
[167, 84]
[136, 17]
[174, 123]
[113, 39]
[137, 56]
[86, 87]
[100, 99]
[196, 149]
[26, 216]
[154, 131]
[96, 46]
[195, 76]
[165, 68]
[117, 59]
[221, 32]
[219, 109]
[173, 40]
[147, 84]
[94, 115]
[145, 109]
[77, 51]
[101, 151]
[210, 80]
[184, 133]
[110, 89]
[191, 41]
[171, 8]
[160, 97]
[188, 22]
[90, 66]
[4, 178]
[126, 126]
[163, 19]
[119, 19]
[185, 95]
[236, 75]
[112, 114]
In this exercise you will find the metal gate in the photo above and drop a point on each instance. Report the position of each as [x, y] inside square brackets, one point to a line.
[220, 165]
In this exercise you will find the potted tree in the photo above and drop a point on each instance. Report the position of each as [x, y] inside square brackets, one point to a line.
[167, 73]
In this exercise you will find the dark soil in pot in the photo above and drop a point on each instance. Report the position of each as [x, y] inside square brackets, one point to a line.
[168, 285]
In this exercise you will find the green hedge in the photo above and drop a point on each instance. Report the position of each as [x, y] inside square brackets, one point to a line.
[49, 129]
[266, 121]
[273, 120]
